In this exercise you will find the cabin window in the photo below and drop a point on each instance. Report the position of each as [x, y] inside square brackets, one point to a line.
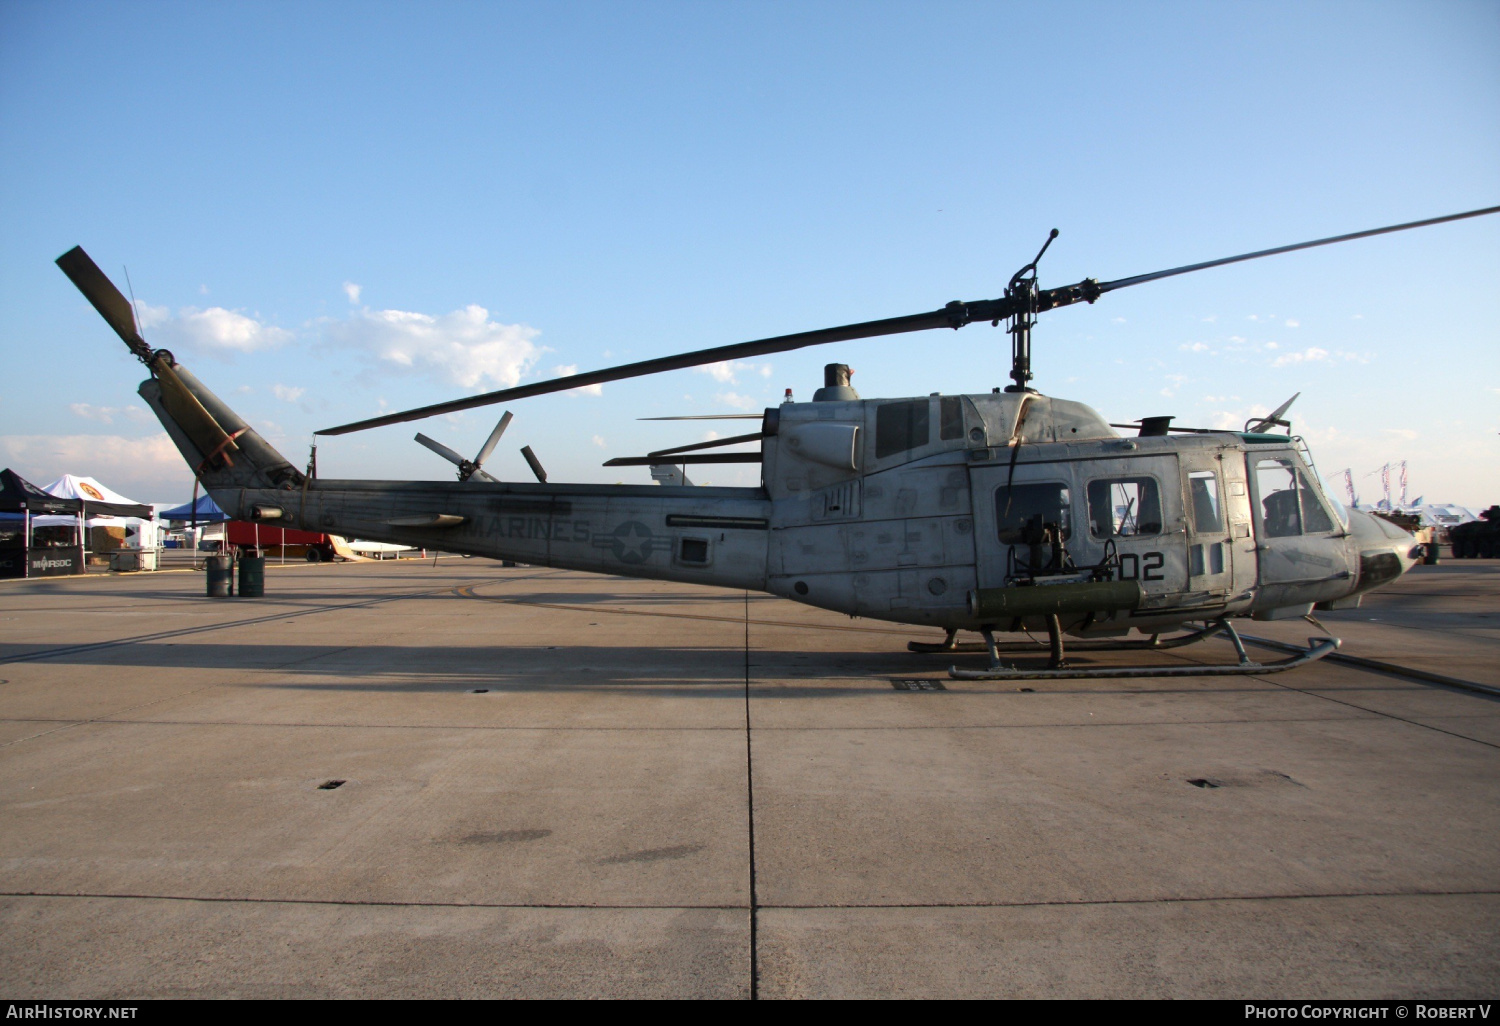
[1289, 505]
[1036, 505]
[950, 418]
[900, 427]
[1123, 507]
[1203, 490]
[693, 550]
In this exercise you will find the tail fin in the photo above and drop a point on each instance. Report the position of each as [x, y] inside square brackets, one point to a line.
[220, 447]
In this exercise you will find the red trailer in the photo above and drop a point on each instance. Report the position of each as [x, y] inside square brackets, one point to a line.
[273, 541]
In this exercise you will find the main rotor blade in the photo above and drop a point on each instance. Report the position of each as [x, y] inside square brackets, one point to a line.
[712, 416]
[955, 315]
[695, 458]
[534, 463]
[718, 354]
[442, 450]
[489, 445]
[712, 443]
[1280, 410]
[1272, 419]
[1120, 283]
[108, 300]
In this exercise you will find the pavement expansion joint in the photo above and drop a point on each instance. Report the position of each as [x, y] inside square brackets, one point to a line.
[218, 899]
[1327, 697]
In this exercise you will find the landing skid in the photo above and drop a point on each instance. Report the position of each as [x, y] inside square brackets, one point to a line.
[1058, 669]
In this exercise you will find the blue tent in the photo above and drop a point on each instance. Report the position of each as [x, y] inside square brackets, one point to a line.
[208, 511]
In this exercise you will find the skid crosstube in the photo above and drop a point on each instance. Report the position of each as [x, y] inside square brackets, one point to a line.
[1058, 669]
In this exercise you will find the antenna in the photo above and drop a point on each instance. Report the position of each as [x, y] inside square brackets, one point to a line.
[133, 306]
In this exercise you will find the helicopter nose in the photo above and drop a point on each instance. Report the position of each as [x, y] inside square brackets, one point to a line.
[1378, 537]
[1409, 555]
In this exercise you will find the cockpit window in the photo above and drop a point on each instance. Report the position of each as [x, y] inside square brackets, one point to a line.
[901, 426]
[1036, 505]
[1289, 505]
[1121, 507]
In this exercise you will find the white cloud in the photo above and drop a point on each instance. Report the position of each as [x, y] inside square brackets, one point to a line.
[1210, 319]
[352, 291]
[286, 393]
[1194, 347]
[1315, 354]
[1312, 354]
[462, 348]
[107, 414]
[564, 370]
[599, 441]
[244, 390]
[739, 402]
[214, 330]
[145, 469]
[727, 373]
[1234, 420]
[1118, 320]
[1293, 324]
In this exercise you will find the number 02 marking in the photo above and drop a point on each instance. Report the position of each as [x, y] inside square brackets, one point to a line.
[1133, 567]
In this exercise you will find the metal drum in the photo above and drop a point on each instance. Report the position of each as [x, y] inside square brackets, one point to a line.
[252, 576]
[220, 576]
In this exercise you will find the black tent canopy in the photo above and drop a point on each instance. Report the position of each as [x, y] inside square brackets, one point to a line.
[18, 495]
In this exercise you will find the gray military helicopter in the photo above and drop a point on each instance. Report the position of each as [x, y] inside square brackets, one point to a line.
[1002, 512]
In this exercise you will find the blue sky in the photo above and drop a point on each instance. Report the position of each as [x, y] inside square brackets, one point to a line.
[332, 209]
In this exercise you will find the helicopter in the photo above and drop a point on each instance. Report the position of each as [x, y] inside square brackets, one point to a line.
[1001, 512]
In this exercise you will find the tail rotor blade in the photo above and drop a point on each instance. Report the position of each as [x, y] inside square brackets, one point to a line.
[101, 292]
[494, 439]
[442, 450]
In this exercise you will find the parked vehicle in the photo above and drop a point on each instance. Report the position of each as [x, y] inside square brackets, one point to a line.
[1479, 538]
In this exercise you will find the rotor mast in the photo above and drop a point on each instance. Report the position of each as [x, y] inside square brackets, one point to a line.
[1022, 296]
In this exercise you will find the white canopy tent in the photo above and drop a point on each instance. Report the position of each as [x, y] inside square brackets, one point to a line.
[139, 531]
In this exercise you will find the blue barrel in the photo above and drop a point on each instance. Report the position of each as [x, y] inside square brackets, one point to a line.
[220, 576]
[252, 576]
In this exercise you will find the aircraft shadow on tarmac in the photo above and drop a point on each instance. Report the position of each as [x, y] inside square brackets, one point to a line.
[663, 671]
